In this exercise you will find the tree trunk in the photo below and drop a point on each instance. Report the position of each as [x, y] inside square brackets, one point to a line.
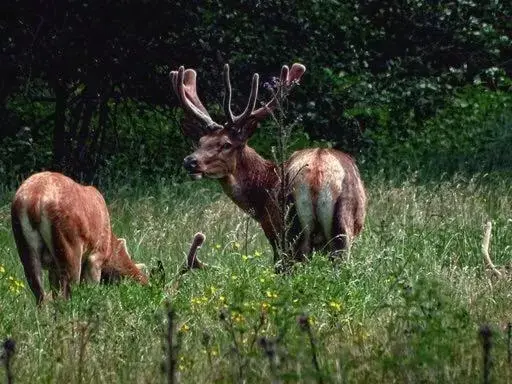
[59, 130]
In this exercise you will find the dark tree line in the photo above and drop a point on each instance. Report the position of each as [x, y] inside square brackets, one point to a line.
[85, 58]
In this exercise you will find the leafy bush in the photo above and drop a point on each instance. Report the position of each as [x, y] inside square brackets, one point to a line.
[380, 73]
[148, 144]
[474, 132]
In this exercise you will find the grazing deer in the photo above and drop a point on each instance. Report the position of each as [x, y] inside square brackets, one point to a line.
[324, 193]
[64, 227]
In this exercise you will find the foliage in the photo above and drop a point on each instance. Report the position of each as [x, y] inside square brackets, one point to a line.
[473, 133]
[470, 133]
[377, 70]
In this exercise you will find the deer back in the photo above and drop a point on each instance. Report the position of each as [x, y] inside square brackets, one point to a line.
[326, 188]
[61, 210]
[52, 202]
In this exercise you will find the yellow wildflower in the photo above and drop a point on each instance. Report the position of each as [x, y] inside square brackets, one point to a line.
[335, 305]
[198, 301]
[184, 328]
[237, 317]
[2, 269]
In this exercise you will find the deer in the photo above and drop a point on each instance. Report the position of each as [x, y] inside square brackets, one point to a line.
[64, 227]
[323, 194]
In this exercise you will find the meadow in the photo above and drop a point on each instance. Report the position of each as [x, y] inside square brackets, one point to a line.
[406, 307]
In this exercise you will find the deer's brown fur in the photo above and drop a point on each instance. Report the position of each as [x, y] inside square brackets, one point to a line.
[64, 227]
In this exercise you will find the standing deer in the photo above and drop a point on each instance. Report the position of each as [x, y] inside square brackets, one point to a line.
[324, 194]
[64, 227]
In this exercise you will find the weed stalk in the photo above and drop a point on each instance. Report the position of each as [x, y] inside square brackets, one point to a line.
[205, 341]
[9, 347]
[269, 347]
[224, 317]
[509, 343]
[280, 155]
[305, 325]
[172, 346]
[86, 331]
[486, 335]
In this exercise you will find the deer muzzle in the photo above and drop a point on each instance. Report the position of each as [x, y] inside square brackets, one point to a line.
[191, 165]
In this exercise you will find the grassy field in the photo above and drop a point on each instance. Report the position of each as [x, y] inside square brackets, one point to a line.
[407, 307]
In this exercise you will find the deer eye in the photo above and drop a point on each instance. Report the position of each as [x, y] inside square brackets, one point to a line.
[227, 145]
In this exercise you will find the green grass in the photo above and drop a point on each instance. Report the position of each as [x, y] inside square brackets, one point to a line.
[406, 308]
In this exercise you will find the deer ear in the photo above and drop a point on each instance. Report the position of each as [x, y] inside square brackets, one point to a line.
[245, 133]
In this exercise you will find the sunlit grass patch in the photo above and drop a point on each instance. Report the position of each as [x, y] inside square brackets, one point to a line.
[406, 307]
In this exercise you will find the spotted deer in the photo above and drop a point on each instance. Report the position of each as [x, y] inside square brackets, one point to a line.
[64, 227]
[324, 194]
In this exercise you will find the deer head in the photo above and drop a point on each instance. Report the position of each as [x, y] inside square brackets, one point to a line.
[219, 144]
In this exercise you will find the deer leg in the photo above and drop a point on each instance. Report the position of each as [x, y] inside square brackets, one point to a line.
[298, 235]
[30, 247]
[54, 276]
[302, 246]
[69, 275]
[270, 233]
[92, 270]
[68, 259]
[341, 232]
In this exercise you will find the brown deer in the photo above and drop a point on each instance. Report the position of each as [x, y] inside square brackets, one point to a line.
[323, 193]
[64, 227]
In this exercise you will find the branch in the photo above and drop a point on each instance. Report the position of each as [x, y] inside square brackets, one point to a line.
[485, 250]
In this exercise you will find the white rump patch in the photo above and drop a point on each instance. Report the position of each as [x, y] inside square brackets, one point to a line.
[325, 210]
[304, 207]
[331, 187]
[330, 178]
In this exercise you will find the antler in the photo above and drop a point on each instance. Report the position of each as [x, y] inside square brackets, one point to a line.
[251, 104]
[184, 85]
[287, 80]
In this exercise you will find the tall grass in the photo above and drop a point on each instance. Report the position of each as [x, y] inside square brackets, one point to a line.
[407, 307]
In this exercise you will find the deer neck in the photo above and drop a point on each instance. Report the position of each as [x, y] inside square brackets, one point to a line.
[253, 184]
